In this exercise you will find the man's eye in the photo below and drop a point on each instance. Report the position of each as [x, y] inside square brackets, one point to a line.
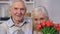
[16, 8]
[22, 9]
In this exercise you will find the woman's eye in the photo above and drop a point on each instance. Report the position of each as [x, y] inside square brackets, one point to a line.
[41, 18]
[35, 19]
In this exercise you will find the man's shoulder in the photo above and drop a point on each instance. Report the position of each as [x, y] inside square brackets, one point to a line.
[27, 19]
[3, 28]
[29, 22]
[28, 25]
[3, 24]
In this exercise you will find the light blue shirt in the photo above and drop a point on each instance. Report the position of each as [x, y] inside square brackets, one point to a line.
[10, 24]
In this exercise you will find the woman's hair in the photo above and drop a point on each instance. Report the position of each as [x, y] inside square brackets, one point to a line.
[41, 9]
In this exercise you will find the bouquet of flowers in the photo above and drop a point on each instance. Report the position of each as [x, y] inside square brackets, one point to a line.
[47, 27]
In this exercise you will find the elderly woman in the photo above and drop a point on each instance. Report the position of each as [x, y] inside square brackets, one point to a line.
[39, 15]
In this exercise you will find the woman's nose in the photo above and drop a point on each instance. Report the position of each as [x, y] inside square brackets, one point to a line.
[38, 21]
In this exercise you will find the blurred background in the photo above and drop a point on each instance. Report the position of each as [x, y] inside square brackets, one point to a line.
[52, 6]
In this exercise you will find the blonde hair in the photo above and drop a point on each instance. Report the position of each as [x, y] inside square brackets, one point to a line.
[39, 9]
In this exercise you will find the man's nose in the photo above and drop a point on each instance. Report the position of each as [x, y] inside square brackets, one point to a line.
[19, 11]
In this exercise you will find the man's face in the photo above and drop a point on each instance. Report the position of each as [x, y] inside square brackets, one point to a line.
[39, 18]
[17, 10]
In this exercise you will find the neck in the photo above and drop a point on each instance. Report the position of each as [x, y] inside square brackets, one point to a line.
[16, 21]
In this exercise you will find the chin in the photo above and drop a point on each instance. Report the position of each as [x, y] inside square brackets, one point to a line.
[19, 18]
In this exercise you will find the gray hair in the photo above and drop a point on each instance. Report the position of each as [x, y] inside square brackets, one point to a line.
[12, 1]
[40, 9]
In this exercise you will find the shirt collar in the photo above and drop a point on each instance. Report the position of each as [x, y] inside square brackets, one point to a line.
[10, 23]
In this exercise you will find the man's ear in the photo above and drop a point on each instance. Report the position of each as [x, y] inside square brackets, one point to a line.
[9, 10]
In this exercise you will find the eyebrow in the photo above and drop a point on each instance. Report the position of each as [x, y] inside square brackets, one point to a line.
[41, 18]
[18, 8]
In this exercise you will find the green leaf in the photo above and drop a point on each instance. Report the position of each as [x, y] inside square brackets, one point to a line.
[53, 30]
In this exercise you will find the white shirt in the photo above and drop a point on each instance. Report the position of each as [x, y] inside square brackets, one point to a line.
[11, 28]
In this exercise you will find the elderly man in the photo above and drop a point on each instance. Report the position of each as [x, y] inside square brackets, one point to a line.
[17, 24]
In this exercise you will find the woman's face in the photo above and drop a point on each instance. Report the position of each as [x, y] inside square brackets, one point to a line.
[39, 18]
